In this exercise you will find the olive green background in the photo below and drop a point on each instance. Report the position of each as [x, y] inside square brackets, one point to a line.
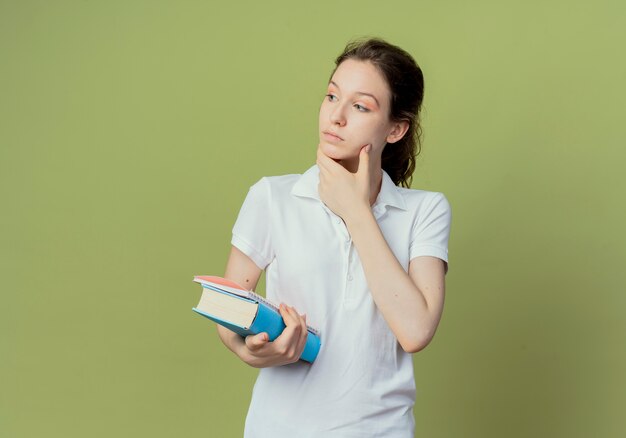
[130, 132]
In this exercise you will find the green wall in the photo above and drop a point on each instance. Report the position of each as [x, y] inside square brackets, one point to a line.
[130, 132]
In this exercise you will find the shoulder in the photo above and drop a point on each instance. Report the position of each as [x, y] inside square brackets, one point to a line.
[280, 182]
[418, 200]
[304, 184]
[277, 184]
[275, 188]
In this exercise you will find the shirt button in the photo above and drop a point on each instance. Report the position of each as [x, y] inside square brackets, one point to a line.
[349, 277]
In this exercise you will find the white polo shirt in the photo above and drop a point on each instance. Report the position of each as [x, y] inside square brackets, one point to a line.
[361, 384]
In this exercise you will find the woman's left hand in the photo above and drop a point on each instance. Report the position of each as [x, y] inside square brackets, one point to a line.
[345, 193]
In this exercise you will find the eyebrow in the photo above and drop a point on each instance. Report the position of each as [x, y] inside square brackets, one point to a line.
[359, 92]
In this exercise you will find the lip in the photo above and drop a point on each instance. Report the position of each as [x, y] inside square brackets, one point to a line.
[331, 135]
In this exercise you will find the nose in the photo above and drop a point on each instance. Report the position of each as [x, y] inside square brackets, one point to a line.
[337, 116]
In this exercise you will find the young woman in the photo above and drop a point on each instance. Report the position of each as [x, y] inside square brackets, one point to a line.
[359, 253]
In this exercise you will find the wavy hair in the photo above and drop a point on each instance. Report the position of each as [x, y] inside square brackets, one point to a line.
[406, 83]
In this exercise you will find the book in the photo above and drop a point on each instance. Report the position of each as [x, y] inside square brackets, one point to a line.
[246, 312]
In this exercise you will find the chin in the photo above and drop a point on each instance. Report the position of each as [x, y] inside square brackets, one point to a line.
[336, 152]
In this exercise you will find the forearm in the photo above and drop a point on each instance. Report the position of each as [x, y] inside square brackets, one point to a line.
[231, 340]
[257, 350]
[236, 344]
[400, 301]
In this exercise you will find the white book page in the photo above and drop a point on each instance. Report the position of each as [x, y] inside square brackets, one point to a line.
[246, 294]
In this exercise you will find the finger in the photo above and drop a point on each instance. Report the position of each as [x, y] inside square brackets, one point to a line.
[327, 162]
[293, 315]
[324, 171]
[289, 338]
[363, 169]
[318, 154]
[323, 160]
[303, 335]
[299, 337]
[288, 316]
[301, 320]
[294, 325]
[364, 158]
[322, 168]
[319, 148]
[255, 342]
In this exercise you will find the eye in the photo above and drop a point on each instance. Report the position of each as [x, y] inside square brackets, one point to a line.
[331, 97]
[361, 108]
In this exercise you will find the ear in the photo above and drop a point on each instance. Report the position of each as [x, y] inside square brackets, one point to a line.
[397, 131]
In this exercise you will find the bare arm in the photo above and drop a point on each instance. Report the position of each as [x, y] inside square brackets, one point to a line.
[246, 273]
[411, 303]
[256, 350]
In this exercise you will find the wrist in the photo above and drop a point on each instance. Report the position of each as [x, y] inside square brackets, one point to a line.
[358, 217]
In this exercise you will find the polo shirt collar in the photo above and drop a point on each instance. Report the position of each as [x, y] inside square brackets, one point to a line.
[389, 196]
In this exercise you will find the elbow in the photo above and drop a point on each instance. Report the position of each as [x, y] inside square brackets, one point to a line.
[415, 343]
[413, 347]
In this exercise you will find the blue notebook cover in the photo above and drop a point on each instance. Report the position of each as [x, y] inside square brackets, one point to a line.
[266, 320]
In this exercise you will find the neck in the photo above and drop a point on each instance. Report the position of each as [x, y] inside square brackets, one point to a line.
[376, 182]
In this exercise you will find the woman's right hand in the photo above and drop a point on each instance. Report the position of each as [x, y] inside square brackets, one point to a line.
[259, 352]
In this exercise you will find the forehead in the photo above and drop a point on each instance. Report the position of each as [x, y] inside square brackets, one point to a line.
[361, 76]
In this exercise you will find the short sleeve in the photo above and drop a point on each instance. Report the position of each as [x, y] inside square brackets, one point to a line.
[431, 230]
[251, 232]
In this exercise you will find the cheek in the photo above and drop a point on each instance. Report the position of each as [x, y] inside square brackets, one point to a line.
[380, 131]
[324, 110]
[372, 132]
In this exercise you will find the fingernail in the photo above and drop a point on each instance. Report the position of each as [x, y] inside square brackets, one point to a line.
[368, 148]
